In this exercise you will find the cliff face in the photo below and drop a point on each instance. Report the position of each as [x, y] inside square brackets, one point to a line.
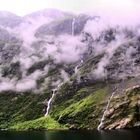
[86, 107]
[124, 110]
[85, 73]
[74, 107]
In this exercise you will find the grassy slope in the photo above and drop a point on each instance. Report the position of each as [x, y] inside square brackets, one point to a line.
[80, 111]
[17, 108]
[25, 111]
[38, 124]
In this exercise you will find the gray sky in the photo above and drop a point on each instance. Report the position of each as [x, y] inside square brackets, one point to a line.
[23, 7]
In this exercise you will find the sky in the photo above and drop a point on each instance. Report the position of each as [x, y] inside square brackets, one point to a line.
[23, 7]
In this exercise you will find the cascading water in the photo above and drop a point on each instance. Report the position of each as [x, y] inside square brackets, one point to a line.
[50, 100]
[49, 103]
[73, 26]
[106, 109]
[76, 68]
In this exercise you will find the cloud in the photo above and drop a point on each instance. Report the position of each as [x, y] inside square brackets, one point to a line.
[6, 85]
[122, 12]
[25, 85]
[23, 7]
[69, 49]
[64, 75]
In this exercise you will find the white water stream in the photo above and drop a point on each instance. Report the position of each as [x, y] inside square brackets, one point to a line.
[76, 68]
[50, 100]
[55, 90]
[73, 26]
[106, 109]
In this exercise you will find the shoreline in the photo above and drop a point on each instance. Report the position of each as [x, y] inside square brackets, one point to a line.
[68, 129]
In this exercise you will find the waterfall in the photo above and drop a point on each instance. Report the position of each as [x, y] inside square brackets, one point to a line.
[106, 109]
[76, 68]
[73, 24]
[50, 100]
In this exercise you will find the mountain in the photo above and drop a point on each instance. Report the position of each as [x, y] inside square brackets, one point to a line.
[45, 16]
[8, 19]
[69, 71]
[63, 26]
[52, 13]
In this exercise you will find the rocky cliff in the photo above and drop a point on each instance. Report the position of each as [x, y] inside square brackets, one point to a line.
[68, 71]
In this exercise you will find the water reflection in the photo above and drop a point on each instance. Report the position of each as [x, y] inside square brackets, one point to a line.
[94, 135]
[116, 135]
[71, 135]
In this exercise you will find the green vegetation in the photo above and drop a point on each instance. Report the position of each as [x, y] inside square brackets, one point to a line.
[41, 123]
[21, 107]
[85, 103]
[74, 106]
[25, 110]
[81, 109]
[124, 110]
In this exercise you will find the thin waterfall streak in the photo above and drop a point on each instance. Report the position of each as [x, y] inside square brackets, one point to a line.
[49, 103]
[106, 109]
[73, 26]
[76, 68]
[50, 100]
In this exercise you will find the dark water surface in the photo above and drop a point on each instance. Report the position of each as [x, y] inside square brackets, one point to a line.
[71, 135]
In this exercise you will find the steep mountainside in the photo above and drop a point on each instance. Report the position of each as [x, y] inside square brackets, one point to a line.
[69, 71]
[8, 19]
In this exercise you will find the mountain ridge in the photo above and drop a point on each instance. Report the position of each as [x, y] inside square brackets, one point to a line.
[69, 65]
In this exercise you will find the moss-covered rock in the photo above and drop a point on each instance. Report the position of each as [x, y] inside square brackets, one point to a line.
[124, 110]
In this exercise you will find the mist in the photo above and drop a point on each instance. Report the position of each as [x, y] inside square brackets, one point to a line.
[68, 49]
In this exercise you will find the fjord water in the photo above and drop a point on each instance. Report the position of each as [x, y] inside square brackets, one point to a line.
[71, 135]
